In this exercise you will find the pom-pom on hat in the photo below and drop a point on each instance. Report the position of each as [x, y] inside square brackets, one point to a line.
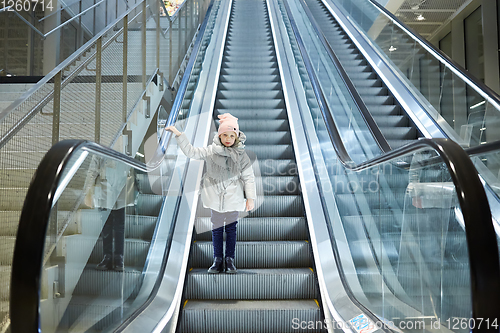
[228, 123]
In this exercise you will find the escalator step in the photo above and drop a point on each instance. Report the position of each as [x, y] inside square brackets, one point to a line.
[250, 103]
[244, 114]
[271, 138]
[249, 94]
[259, 284]
[261, 229]
[260, 254]
[135, 253]
[219, 316]
[268, 152]
[108, 283]
[149, 204]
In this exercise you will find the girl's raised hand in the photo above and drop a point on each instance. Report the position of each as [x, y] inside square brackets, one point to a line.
[173, 130]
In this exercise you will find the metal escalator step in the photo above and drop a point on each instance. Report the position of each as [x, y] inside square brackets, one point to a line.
[268, 125]
[278, 185]
[149, 183]
[371, 91]
[249, 71]
[136, 226]
[368, 182]
[249, 58]
[148, 204]
[4, 276]
[246, 86]
[140, 227]
[278, 206]
[135, 254]
[359, 76]
[271, 138]
[250, 94]
[91, 314]
[245, 64]
[391, 121]
[260, 254]
[261, 284]
[242, 50]
[245, 47]
[385, 110]
[285, 167]
[398, 143]
[261, 229]
[266, 152]
[348, 205]
[234, 38]
[401, 133]
[249, 78]
[109, 283]
[246, 114]
[249, 103]
[217, 316]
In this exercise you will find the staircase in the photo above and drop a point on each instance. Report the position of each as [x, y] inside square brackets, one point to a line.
[275, 282]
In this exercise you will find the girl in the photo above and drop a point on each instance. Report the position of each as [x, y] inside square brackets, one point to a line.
[228, 180]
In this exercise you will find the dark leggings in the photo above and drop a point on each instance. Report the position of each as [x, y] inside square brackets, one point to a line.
[221, 221]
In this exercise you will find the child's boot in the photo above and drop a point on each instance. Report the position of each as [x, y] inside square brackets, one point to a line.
[230, 268]
[217, 266]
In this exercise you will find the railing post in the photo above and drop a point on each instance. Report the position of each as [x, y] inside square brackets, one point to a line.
[125, 68]
[98, 91]
[143, 42]
[191, 20]
[179, 44]
[186, 14]
[158, 40]
[170, 51]
[199, 7]
[56, 114]
[79, 30]
[94, 20]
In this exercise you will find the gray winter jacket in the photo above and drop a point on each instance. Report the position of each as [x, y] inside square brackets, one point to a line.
[229, 176]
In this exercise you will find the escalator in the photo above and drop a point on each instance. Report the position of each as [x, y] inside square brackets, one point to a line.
[306, 254]
[273, 243]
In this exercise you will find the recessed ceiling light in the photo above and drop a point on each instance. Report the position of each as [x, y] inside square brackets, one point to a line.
[420, 17]
[392, 49]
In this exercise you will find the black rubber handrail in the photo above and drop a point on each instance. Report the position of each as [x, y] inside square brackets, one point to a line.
[27, 263]
[479, 230]
[367, 116]
[444, 58]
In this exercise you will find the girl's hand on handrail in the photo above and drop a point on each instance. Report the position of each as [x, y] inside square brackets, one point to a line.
[173, 130]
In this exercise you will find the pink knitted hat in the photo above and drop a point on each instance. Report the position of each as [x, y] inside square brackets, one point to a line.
[228, 123]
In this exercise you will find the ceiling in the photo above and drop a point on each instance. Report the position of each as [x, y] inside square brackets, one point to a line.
[424, 16]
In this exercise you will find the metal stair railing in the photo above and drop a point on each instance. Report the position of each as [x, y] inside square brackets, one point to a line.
[90, 96]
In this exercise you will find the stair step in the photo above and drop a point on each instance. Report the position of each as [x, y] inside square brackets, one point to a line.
[259, 284]
[5, 278]
[260, 254]
[218, 316]
[109, 283]
[259, 229]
